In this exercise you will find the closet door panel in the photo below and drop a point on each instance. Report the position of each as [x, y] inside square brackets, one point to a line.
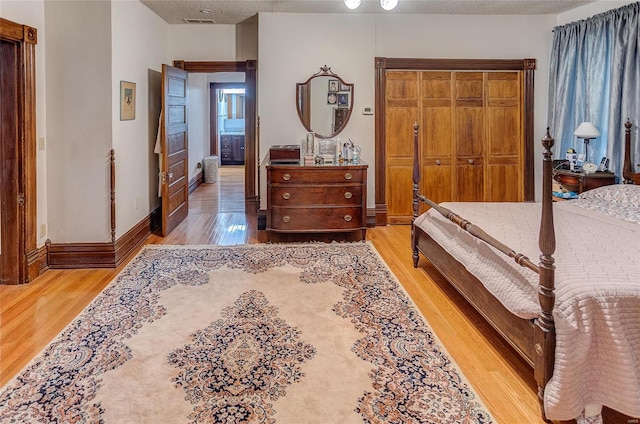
[469, 182]
[469, 113]
[436, 180]
[401, 114]
[503, 131]
[505, 179]
[469, 131]
[399, 194]
[503, 183]
[504, 113]
[436, 127]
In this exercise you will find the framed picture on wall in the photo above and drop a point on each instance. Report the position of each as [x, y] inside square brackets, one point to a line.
[127, 100]
[344, 87]
[334, 86]
[332, 98]
[343, 100]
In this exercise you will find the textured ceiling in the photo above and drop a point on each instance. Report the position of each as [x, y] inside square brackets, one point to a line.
[236, 11]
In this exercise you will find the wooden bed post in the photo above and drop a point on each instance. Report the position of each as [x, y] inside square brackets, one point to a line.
[628, 175]
[416, 203]
[545, 336]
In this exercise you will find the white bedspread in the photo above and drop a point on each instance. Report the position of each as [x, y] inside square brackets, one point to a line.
[597, 313]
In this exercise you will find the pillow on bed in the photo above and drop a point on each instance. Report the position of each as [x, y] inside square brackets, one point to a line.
[622, 194]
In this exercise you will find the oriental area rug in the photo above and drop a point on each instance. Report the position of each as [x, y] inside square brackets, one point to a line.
[272, 333]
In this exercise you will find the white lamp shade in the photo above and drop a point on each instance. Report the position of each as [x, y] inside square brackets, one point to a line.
[586, 130]
[352, 4]
[388, 4]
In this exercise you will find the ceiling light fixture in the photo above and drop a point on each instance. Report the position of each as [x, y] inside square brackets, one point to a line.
[206, 11]
[352, 4]
[388, 4]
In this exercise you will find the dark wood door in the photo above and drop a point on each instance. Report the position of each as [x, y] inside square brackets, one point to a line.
[175, 141]
[11, 247]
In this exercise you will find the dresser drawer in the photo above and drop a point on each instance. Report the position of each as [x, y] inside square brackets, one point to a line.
[316, 219]
[307, 175]
[343, 195]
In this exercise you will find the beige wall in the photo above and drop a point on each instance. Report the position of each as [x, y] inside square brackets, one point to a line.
[294, 46]
[79, 133]
[137, 53]
[202, 42]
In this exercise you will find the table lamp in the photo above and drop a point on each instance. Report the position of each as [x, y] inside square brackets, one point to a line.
[586, 131]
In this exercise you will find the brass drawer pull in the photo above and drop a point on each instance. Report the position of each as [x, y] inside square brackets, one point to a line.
[470, 161]
[348, 195]
[286, 218]
[348, 176]
[347, 218]
[286, 177]
[438, 161]
[286, 196]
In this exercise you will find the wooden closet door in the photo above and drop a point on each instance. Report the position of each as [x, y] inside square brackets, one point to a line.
[504, 170]
[401, 107]
[469, 136]
[436, 135]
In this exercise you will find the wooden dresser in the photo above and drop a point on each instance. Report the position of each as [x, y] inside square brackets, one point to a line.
[317, 198]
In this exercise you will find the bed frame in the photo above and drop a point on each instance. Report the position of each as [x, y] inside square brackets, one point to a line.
[627, 172]
[533, 339]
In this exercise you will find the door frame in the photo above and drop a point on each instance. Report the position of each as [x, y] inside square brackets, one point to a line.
[383, 64]
[214, 142]
[30, 261]
[252, 198]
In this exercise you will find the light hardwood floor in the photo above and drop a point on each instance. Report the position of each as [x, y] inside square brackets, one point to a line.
[31, 315]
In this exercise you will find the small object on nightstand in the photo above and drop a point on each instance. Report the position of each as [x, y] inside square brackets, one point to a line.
[589, 167]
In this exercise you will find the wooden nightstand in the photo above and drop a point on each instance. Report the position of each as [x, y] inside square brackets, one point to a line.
[580, 181]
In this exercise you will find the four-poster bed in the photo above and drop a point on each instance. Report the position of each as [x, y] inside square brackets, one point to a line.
[576, 321]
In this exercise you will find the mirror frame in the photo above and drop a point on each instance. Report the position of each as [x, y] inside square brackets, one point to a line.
[302, 92]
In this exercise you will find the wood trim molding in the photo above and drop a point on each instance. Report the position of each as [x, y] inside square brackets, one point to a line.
[383, 64]
[101, 255]
[196, 181]
[251, 147]
[37, 262]
[112, 171]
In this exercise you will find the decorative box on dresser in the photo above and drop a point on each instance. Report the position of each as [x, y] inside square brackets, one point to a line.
[316, 198]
